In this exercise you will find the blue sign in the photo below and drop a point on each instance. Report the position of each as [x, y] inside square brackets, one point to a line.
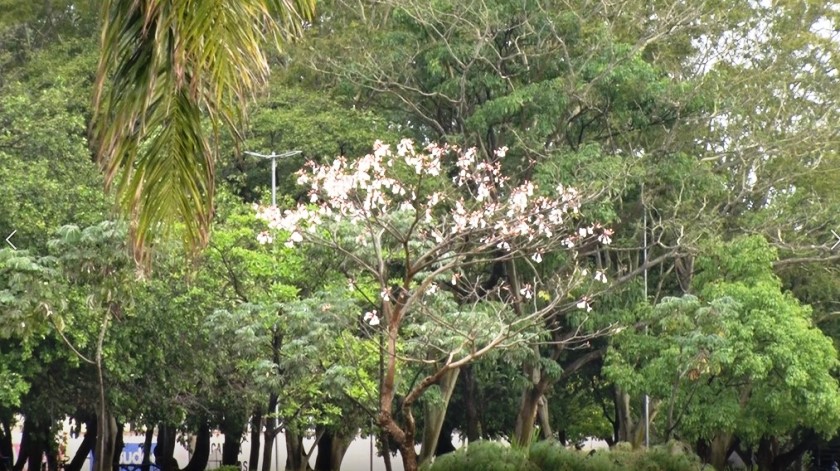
[132, 453]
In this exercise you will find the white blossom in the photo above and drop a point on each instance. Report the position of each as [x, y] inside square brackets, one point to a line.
[380, 149]
[406, 206]
[265, 237]
[478, 207]
[600, 276]
[482, 193]
[605, 237]
[371, 318]
[405, 147]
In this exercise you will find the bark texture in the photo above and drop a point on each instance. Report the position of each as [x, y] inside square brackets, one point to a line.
[254, 456]
[435, 414]
[232, 430]
[296, 457]
[270, 434]
[331, 450]
[201, 454]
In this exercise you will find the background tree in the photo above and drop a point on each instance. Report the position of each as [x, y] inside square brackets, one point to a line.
[100, 278]
[740, 359]
[683, 123]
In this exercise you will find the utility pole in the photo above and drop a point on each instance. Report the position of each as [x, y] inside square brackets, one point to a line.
[274, 158]
[645, 258]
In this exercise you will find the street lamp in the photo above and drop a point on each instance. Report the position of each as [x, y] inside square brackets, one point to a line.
[274, 158]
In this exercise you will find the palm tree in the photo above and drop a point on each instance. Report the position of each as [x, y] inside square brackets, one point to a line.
[165, 67]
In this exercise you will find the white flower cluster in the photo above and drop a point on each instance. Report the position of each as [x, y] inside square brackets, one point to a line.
[480, 205]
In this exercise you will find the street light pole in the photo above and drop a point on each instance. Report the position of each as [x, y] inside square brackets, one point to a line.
[645, 258]
[274, 158]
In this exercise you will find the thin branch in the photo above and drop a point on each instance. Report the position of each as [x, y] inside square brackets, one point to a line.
[69, 344]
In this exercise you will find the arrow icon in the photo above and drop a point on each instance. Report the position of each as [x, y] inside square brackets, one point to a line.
[838, 240]
[15, 248]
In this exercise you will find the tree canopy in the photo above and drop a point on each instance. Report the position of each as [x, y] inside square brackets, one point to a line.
[526, 221]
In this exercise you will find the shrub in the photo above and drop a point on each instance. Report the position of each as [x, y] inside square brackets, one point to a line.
[669, 458]
[484, 456]
[552, 456]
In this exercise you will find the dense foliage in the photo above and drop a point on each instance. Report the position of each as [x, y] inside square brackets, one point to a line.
[536, 222]
[545, 455]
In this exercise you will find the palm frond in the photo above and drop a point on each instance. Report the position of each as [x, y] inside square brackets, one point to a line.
[165, 66]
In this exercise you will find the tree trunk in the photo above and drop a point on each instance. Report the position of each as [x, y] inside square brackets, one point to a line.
[49, 446]
[106, 427]
[631, 430]
[6, 447]
[232, 430]
[562, 438]
[470, 393]
[331, 450]
[270, 434]
[716, 451]
[386, 455]
[25, 445]
[783, 461]
[296, 459]
[766, 454]
[88, 442]
[256, 427]
[545, 422]
[403, 439]
[119, 444]
[628, 429]
[720, 451]
[201, 455]
[403, 436]
[147, 449]
[435, 414]
[444, 442]
[409, 456]
[165, 448]
[527, 415]
[613, 420]
[38, 443]
[769, 457]
[639, 434]
[34, 453]
[623, 416]
[323, 460]
[230, 449]
[52, 459]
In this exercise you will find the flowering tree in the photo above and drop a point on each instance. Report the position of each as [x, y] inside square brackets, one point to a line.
[422, 225]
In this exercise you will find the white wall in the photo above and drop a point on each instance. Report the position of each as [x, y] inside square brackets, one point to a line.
[357, 458]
